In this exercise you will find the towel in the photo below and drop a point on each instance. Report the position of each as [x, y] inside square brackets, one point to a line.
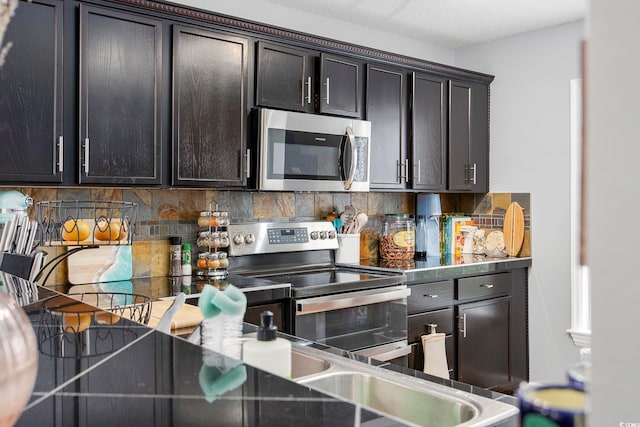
[435, 355]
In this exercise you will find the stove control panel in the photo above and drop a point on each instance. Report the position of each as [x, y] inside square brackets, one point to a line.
[271, 237]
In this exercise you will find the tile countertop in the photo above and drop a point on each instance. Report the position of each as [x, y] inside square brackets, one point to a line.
[445, 267]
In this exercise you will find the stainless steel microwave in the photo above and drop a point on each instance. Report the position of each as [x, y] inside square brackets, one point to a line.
[307, 152]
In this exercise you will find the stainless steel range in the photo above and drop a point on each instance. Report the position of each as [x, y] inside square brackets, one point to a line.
[341, 306]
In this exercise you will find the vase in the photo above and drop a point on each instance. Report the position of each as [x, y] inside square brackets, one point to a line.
[18, 359]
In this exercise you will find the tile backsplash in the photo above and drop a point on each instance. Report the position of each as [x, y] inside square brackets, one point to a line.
[174, 212]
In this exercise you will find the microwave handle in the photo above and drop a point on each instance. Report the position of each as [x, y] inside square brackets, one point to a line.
[352, 170]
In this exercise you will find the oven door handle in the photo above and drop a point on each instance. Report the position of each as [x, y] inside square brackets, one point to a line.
[382, 353]
[351, 299]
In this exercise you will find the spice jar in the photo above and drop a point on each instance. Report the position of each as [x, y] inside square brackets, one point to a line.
[224, 261]
[204, 240]
[214, 262]
[203, 260]
[203, 219]
[397, 239]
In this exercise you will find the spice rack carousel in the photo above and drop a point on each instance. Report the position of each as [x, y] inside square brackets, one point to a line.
[213, 243]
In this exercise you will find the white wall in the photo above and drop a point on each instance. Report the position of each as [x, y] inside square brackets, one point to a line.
[530, 153]
[284, 17]
[613, 150]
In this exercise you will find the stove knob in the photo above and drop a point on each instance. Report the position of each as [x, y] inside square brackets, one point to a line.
[332, 234]
[249, 239]
[314, 235]
[238, 239]
[323, 235]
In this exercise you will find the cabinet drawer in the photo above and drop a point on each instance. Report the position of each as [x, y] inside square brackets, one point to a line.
[427, 296]
[483, 286]
[417, 324]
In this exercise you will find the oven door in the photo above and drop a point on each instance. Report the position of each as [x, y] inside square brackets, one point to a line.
[355, 321]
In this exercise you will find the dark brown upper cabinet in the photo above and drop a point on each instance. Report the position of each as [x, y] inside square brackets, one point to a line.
[304, 80]
[386, 109]
[209, 108]
[120, 97]
[429, 111]
[468, 137]
[31, 95]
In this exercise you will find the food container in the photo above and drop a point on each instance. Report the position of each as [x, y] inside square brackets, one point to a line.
[397, 239]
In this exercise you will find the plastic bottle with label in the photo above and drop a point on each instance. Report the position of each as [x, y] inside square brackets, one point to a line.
[268, 352]
[186, 259]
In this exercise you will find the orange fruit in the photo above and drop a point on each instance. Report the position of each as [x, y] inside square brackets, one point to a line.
[75, 230]
[109, 231]
[75, 322]
[106, 318]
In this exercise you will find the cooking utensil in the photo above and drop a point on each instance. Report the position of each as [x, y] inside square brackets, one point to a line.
[360, 221]
[347, 218]
[513, 229]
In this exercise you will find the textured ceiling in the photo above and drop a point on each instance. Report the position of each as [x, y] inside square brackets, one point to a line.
[447, 23]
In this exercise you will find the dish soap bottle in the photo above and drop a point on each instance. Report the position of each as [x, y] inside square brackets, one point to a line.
[268, 352]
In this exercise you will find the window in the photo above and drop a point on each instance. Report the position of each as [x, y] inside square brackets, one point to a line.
[580, 289]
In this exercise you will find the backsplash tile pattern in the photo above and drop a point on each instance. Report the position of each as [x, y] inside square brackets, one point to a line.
[173, 212]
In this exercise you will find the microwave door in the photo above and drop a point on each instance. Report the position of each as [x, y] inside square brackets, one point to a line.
[349, 158]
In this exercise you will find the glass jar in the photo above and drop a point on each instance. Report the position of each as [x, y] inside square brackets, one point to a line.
[397, 239]
[224, 239]
[203, 261]
[204, 240]
[224, 218]
[215, 240]
[224, 261]
[203, 219]
[214, 221]
[214, 261]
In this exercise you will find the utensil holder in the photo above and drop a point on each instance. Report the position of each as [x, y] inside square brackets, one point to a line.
[348, 251]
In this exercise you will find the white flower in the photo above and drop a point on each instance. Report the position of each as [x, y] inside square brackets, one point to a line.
[7, 9]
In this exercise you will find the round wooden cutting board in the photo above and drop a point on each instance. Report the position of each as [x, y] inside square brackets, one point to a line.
[513, 229]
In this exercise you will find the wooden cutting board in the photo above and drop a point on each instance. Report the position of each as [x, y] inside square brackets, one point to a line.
[188, 315]
[513, 229]
[101, 264]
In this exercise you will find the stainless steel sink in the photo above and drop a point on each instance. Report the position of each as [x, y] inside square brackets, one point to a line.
[409, 404]
[408, 399]
[303, 365]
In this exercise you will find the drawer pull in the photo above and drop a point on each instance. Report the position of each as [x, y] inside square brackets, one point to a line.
[487, 285]
[430, 295]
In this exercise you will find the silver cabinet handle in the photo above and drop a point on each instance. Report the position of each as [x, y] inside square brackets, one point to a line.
[248, 162]
[416, 172]
[399, 170]
[473, 168]
[406, 170]
[327, 85]
[487, 285]
[60, 153]
[86, 156]
[431, 295]
[464, 325]
[351, 299]
[308, 85]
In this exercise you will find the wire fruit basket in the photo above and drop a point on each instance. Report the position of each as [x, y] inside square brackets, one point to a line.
[86, 223]
[90, 324]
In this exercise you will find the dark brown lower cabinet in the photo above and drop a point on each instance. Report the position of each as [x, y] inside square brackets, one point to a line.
[483, 342]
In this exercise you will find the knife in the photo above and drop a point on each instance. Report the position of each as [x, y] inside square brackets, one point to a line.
[11, 231]
[33, 229]
[22, 233]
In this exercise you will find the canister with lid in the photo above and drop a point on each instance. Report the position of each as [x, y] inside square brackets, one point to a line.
[397, 239]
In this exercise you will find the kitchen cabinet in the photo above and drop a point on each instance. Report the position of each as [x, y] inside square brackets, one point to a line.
[304, 80]
[483, 342]
[468, 137]
[209, 107]
[31, 95]
[386, 108]
[429, 111]
[120, 97]
[484, 319]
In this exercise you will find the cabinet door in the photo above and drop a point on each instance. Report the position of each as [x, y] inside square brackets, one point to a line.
[428, 136]
[209, 107]
[120, 97]
[468, 137]
[284, 77]
[483, 342]
[31, 95]
[386, 110]
[341, 85]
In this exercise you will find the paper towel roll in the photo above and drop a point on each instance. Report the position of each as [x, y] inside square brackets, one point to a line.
[435, 355]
